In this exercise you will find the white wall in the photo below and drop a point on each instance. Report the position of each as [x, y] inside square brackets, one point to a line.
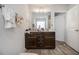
[23, 10]
[60, 26]
[72, 25]
[60, 7]
[57, 8]
[12, 40]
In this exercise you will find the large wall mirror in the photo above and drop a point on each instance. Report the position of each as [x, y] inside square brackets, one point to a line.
[41, 23]
[41, 20]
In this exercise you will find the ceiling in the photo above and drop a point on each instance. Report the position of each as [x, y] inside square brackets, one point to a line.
[51, 6]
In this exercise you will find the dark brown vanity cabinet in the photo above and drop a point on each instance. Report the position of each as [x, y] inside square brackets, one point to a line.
[40, 40]
[30, 41]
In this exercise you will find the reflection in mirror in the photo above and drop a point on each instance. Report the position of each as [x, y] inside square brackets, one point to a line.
[41, 21]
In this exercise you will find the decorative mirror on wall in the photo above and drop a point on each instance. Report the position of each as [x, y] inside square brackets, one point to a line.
[41, 20]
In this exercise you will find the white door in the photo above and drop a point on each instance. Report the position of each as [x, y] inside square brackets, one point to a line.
[73, 28]
[60, 26]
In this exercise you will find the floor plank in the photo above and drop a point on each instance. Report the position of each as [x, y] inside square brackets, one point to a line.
[61, 49]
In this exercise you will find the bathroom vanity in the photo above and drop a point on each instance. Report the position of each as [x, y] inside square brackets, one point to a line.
[40, 40]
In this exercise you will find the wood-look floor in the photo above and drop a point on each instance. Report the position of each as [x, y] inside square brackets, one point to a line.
[61, 49]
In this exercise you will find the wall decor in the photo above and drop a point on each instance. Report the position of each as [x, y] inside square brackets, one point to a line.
[18, 19]
[9, 17]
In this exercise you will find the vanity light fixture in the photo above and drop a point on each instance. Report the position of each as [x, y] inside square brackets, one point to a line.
[39, 10]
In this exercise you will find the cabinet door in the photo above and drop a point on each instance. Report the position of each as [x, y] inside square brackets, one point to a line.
[40, 41]
[31, 42]
[49, 42]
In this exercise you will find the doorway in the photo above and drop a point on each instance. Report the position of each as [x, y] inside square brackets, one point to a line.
[60, 25]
